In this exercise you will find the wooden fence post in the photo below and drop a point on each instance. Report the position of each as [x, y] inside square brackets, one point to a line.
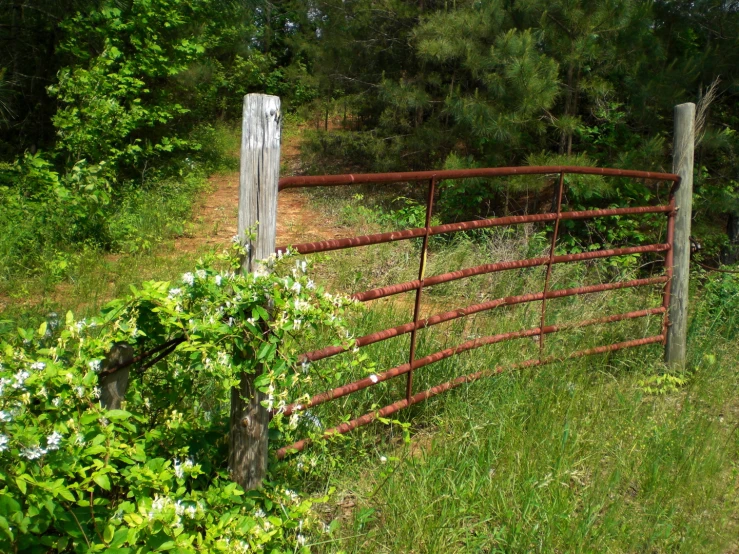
[682, 164]
[258, 179]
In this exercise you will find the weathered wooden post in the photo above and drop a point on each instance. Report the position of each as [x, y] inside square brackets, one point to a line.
[682, 164]
[259, 175]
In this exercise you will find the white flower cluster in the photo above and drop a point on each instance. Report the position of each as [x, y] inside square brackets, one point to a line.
[53, 442]
[180, 469]
[3, 443]
[163, 505]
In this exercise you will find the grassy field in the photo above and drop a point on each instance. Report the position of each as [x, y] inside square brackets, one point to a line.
[612, 453]
[608, 453]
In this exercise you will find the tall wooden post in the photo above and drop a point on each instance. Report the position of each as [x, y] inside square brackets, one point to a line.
[259, 175]
[682, 164]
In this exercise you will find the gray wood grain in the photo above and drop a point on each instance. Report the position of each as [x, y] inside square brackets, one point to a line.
[259, 176]
[682, 164]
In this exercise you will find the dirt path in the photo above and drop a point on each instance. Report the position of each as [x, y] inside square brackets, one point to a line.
[297, 221]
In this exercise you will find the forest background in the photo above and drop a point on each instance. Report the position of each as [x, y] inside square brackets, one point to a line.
[104, 104]
[114, 112]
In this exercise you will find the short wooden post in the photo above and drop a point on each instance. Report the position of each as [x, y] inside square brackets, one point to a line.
[682, 164]
[259, 175]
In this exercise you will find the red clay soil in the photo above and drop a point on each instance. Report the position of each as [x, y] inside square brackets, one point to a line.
[297, 220]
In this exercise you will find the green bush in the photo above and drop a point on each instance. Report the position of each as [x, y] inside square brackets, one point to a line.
[151, 476]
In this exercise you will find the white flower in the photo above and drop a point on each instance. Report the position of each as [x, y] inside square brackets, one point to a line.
[373, 378]
[95, 365]
[191, 511]
[179, 508]
[178, 471]
[260, 514]
[310, 285]
[235, 239]
[201, 274]
[174, 292]
[53, 441]
[296, 287]
[20, 379]
[4, 381]
[305, 366]
[96, 392]
[188, 278]
[383, 459]
[301, 540]
[303, 266]
[218, 280]
[80, 391]
[38, 366]
[33, 453]
[294, 420]
[5, 416]
[3, 443]
[57, 401]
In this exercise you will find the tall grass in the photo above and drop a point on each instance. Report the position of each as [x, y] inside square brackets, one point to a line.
[612, 453]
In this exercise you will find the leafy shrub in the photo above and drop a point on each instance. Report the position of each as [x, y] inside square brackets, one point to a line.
[151, 476]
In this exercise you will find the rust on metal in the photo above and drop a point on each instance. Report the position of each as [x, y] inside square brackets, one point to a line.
[418, 285]
[476, 308]
[465, 346]
[669, 263]
[438, 389]
[419, 288]
[369, 178]
[503, 266]
[381, 238]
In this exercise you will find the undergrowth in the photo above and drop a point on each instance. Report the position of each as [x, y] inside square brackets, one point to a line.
[43, 250]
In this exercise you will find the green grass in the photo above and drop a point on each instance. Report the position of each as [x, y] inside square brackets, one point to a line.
[577, 456]
[600, 454]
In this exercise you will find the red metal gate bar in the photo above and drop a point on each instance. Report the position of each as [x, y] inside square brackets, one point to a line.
[382, 292]
[421, 396]
[367, 382]
[555, 235]
[422, 282]
[381, 238]
[476, 308]
[369, 178]
[419, 289]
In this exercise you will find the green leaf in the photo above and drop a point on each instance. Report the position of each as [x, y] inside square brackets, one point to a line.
[117, 414]
[102, 481]
[21, 483]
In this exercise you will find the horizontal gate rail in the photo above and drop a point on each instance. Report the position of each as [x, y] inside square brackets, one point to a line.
[386, 178]
[418, 285]
[503, 266]
[476, 308]
[425, 395]
[464, 347]
[380, 238]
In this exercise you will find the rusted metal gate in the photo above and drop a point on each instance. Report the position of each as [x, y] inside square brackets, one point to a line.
[433, 178]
